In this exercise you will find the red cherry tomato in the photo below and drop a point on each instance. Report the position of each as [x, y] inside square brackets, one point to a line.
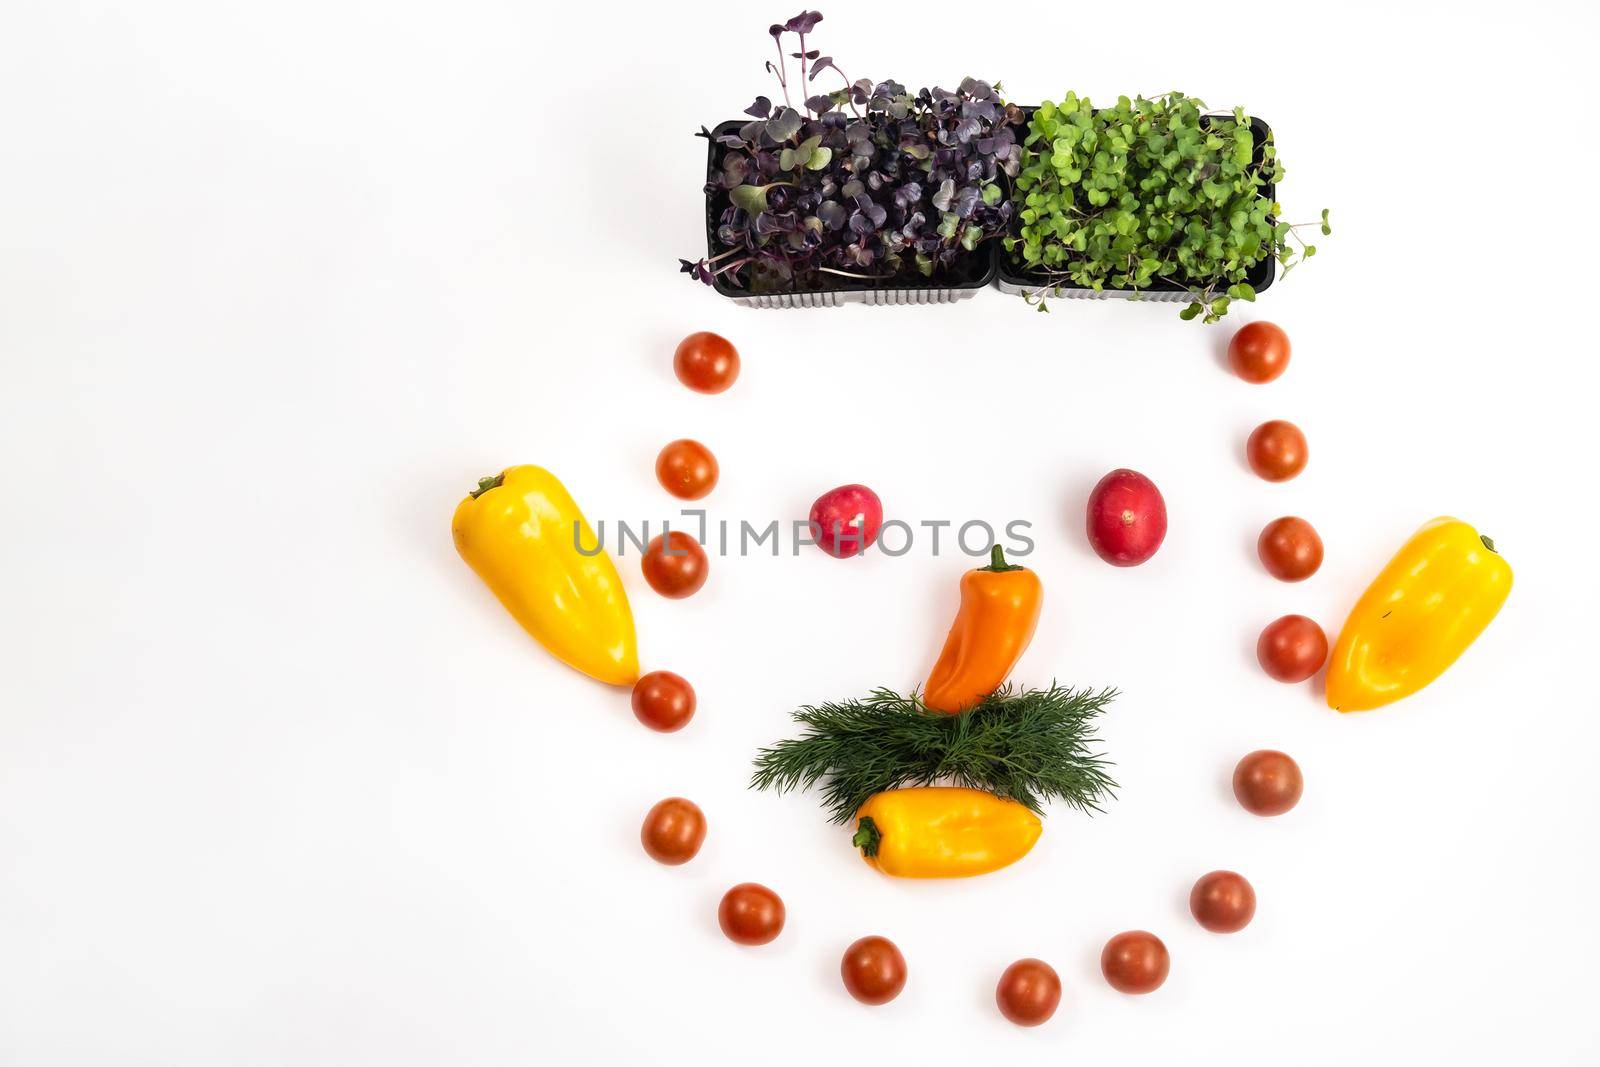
[1135, 962]
[1292, 649]
[750, 914]
[1029, 992]
[686, 469]
[706, 362]
[676, 566]
[1222, 902]
[1277, 450]
[1290, 549]
[1259, 352]
[663, 701]
[1267, 782]
[673, 831]
[873, 970]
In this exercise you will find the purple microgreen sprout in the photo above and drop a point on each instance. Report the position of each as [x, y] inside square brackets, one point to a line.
[898, 185]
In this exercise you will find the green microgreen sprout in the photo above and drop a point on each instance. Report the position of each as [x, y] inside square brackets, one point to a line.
[1150, 191]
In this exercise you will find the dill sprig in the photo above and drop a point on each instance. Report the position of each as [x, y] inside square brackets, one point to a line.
[1031, 746]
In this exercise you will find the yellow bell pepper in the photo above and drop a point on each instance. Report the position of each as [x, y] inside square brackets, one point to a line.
[1433, 600]
[520, 532]
[943, 832]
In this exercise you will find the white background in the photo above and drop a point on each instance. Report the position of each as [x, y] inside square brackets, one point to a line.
[280, 783]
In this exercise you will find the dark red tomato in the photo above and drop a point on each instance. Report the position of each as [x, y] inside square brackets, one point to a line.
[1029, 992]
[750, 914]
[1267, 782]
[1259, 352]
[676, 566]
[663, 701]
[706, 362]
[686, 469]
[873, 970]
[1222, 902]
[1290, 549]
[1135, 962]
[673, 831]
[1127, 519]
[847, 520]
[1277, 450]
[1292, 649]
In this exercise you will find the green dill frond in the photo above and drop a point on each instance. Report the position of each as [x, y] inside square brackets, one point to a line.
[1031, 747]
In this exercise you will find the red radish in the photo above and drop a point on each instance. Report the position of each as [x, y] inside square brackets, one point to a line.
[846, 520]
[1127, 518]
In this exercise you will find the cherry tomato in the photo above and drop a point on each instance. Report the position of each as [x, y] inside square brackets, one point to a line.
[673, 831]
[750, 914]
[1292, 649]
[1222, 902]
[1135, 962]
[1277, 450]
[706, 362]
[1290, 549]
[873, 970]
[1259, 352]
[686, 469]
[663, 701]
[1029, 992]
[676, 566]
[1267, 782]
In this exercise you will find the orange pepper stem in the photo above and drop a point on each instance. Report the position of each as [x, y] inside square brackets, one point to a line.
[867, 837]
[997, 562]
[486, 484]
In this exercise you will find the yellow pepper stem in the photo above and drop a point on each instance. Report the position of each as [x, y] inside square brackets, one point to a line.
[867, 837]
[486, 484]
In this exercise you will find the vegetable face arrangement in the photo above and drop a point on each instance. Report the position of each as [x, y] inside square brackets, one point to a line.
[871, 182]
[951, 785]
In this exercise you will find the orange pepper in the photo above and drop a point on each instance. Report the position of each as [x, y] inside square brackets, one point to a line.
[999, 609]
